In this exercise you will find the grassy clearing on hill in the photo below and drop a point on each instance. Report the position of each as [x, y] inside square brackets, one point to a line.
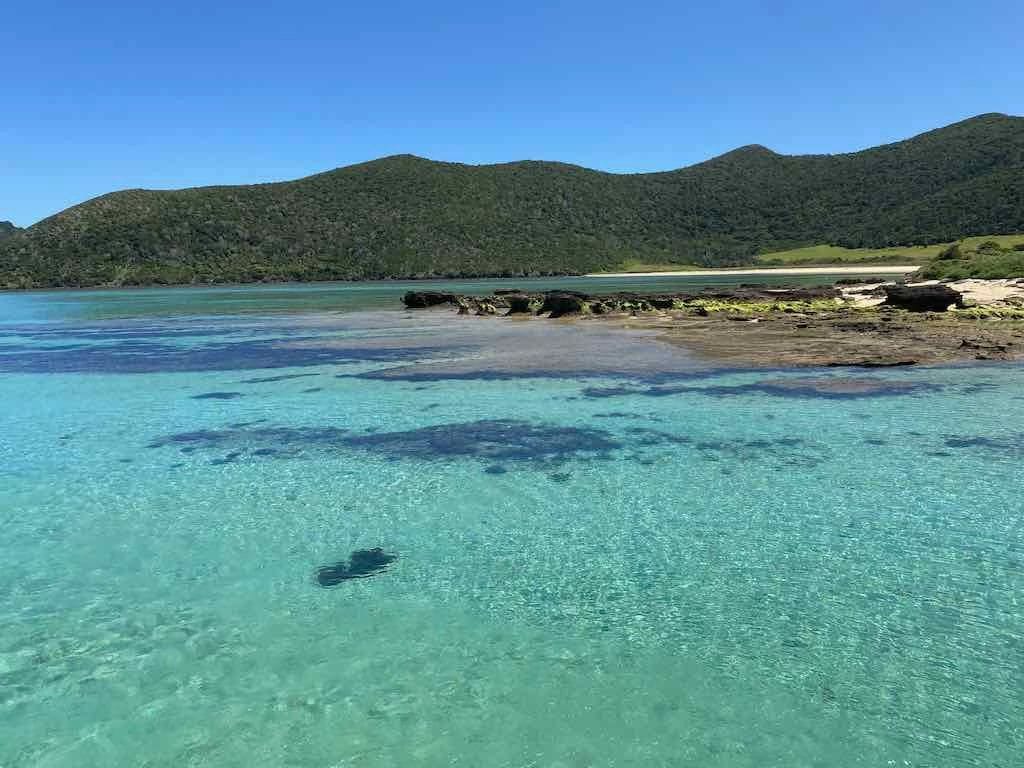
[637, 265]
[834, 256]
[992, 258]
[831, 255]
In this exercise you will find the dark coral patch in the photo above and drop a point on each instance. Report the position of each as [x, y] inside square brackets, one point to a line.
[777, 453]
[283, 377]
[977, 387]
[258, 441]
[429, 375]
[116, 332]
[1011, 444]
[494, 440]
[648, 436]
[228, 459]
[361, 564]
[265, 452]
[625, 391]
[218, 396]
[140, 356]
[835, 387]
[496, 443]
[830, 388]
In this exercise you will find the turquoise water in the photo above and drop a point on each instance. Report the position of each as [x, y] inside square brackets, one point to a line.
[332, 297]
[671, 567]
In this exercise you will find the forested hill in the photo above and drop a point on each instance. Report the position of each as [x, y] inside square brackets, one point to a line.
[405, 216]
[7, 229]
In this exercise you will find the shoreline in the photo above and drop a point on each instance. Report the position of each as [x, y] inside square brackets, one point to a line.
[389, 281]
[869, 325]
[887, 269]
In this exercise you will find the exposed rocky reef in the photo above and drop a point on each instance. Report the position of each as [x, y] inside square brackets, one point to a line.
[870, 325]
[557, 304]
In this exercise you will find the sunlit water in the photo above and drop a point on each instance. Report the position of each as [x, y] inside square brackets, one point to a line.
[620, 558]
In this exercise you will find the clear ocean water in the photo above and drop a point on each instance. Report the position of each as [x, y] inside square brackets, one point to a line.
[609, 553]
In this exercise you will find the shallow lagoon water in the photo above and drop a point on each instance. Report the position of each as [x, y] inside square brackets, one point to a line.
[597, 567]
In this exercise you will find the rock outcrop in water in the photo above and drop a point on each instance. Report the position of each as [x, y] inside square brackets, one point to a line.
[559, 303]
[520, 303]
[424, 299]
[360, 565]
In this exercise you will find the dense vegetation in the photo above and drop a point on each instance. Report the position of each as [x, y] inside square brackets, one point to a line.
[409, 217]
[7, 229]
[990, 260]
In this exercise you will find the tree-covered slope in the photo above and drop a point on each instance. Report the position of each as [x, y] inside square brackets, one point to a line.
[409, 217]
[7, 229]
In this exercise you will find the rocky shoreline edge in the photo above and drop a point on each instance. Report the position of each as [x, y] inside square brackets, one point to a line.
[853, 323]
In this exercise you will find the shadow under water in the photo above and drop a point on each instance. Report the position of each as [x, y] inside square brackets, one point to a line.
[361, 564]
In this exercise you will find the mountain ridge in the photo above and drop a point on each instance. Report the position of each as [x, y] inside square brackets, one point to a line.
[405, 216]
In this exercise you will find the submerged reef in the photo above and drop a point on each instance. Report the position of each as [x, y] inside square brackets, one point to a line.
[499, 445]
[102, 348]
[361, 564]
[490, 440]
[829, 388]
[218, 396]
[1012, 444]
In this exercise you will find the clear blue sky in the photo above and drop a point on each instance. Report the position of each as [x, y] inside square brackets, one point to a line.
[106, 95]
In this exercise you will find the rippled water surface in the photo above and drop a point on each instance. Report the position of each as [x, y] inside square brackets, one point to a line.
[609, 554]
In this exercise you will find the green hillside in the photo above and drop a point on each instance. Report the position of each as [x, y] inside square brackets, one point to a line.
[409, 217]
[7, 229]
[993, 258]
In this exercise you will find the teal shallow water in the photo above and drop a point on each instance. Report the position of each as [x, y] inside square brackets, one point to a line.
[693, 568]
[332, 297]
